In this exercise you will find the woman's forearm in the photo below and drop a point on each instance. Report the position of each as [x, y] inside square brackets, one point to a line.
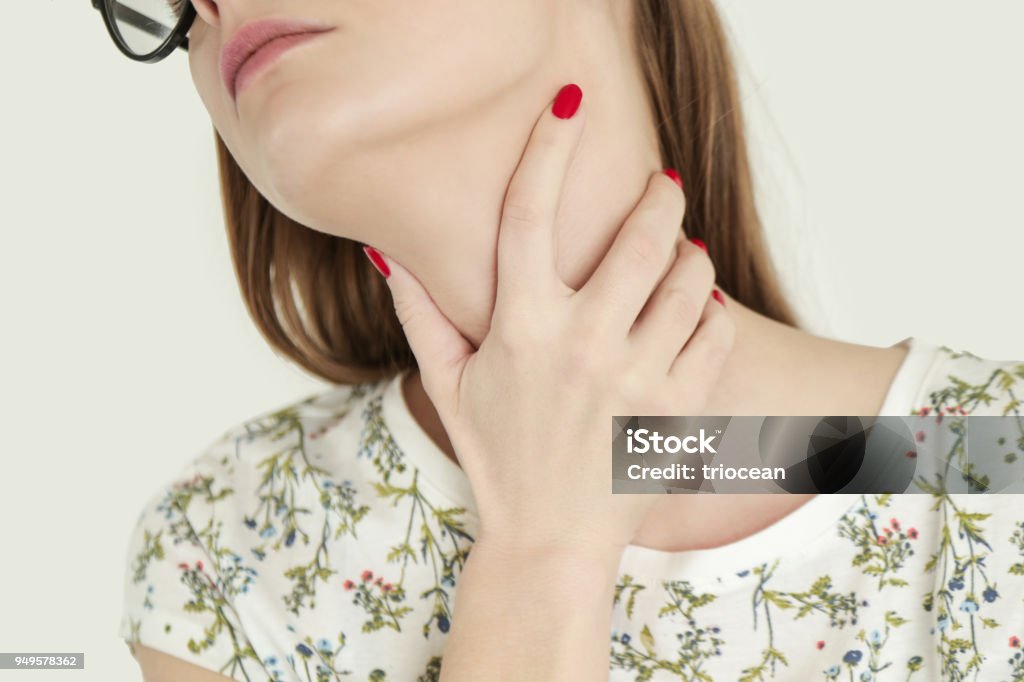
[531, 616]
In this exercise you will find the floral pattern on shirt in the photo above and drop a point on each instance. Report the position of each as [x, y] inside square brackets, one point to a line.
[306, 544]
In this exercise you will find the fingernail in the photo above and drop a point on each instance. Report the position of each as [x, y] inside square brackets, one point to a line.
[717, 295]
[567, 101]
[377, 260]
[699, 243]
[674, 174]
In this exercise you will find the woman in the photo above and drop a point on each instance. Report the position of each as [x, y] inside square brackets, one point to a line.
[535, 282]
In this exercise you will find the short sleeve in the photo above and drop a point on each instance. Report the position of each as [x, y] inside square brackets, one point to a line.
[176, 600]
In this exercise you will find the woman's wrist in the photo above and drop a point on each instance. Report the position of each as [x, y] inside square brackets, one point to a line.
[598, 565]
[531, 612]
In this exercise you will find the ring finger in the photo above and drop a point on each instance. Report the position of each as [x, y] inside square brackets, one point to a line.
[670, 316]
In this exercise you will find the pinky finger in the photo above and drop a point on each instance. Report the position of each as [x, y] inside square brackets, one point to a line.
[700, 362]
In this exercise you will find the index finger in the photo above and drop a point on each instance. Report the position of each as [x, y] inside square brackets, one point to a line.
[526, 237]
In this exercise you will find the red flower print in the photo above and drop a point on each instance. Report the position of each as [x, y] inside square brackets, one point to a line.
[925, 411]
[888, 531]
[348, 584]
[912, 533]
[881, 539]
[199, 565]
[919, 436]
[379, 580]
[894, 523]
[820, 644]
[367, 575]
[183, 566]
[911, 454]
[386, 587]
[1014, 641]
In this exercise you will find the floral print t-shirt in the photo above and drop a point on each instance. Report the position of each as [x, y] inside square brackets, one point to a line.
[324, 541]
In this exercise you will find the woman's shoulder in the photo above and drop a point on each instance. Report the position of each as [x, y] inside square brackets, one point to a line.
[973, 427]
[938, 379]
[316, 437]
[206, 535]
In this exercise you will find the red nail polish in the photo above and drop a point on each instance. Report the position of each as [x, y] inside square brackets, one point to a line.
[674, 174]
[377, 260]
[699, 243]
[567, 101]
[717, 295]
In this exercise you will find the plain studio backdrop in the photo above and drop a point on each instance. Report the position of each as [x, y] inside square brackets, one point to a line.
[887, 142]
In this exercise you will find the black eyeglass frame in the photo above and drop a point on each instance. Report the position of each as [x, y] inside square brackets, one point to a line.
[177, 39]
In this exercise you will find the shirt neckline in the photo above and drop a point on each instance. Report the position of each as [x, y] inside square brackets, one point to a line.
[801, 531]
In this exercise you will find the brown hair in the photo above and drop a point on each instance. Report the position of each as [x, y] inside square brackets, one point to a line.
[317, 300]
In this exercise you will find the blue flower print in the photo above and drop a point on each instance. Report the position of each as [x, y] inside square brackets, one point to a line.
[268, 532]
[625, 639]
[990, 594]
[969, 606]
[852, 656]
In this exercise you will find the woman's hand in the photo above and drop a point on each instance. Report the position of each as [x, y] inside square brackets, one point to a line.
[529, 413]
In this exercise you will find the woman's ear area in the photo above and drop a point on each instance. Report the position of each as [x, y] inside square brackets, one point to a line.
[208, 11]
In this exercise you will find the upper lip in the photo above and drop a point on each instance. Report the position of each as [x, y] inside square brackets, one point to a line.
[254, 35]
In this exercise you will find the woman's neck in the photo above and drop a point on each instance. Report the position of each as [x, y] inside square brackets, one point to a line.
[452, 197]
[774, 369]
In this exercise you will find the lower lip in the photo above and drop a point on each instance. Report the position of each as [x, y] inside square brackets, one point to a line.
[267, 54]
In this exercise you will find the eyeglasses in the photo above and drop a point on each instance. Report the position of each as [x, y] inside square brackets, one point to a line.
[147, 30]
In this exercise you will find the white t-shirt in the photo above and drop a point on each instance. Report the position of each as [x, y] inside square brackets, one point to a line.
[325, 540]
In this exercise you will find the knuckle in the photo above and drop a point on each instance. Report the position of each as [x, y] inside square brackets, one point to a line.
[682, 303]
[518, 340]
[644, 249]
[634, 385]
[546, 139]
[521, 209]
[583, 360]
[406, 313]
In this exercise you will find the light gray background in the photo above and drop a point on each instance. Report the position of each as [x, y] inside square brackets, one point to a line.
[888, 142]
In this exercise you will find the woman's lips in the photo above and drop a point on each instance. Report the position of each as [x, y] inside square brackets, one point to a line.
[264, 55]
[256, 44]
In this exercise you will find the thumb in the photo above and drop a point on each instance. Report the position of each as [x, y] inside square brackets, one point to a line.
[439, 347]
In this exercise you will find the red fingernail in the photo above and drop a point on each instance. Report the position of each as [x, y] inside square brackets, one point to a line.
[699, 243]
[567, 101]
[674, 174]
[718, 296]
[378, 262]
